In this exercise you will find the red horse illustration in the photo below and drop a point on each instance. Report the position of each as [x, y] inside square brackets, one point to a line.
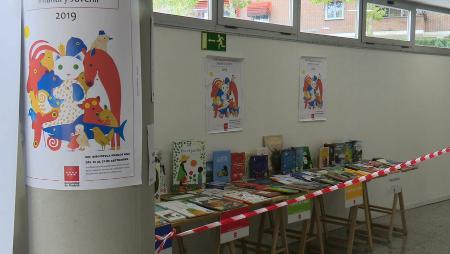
[35, 69]
[97, 61]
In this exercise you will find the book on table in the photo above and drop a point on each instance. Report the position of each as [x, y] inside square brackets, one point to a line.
[222, 166]
[218, 204]
[186, 208]
[189, 165]
[237, 166]
[245, 197]
[168, 214]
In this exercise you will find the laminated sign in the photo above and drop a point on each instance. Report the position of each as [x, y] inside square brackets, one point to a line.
[235, 230]
[299, 211]
[353, 195]
[395, 184]
[83, 103]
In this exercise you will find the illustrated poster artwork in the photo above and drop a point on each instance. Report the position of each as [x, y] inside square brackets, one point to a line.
[313, 85]
[223, 94]
[82, 98]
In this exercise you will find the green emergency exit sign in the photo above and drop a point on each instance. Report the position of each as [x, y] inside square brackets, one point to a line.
[214, 41]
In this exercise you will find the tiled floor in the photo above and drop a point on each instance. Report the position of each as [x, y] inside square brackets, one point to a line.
[428, 233]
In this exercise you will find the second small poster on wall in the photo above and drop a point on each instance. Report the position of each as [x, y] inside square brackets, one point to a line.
[313, 86]
[223, 94]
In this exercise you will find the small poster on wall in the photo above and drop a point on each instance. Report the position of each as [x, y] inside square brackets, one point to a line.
[223, 94]
[313, 85]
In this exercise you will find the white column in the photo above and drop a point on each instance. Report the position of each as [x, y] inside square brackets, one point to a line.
[114, 221]
[10, 25]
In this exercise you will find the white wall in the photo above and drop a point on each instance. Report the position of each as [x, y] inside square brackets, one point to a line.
[396, 103]
[10, 71]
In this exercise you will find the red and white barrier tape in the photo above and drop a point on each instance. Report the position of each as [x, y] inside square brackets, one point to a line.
[339, 186]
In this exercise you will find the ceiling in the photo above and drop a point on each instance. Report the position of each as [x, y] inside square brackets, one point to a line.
[439, 3]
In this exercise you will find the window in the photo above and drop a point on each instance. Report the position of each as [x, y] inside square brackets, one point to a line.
[338, 19]
[199, 9]
[334, 10]
[387, 22]
[269, 15]
[432, 29]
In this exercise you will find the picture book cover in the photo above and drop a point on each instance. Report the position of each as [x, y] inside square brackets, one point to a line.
[357, 151]
[218, 204]
[288, 161]
[168, 214]
[162, 231]
[222, 166]
[267, 194]
[213, 193]
[209, 172]
[217, 185]
[324, 157]
[177, 196]
[189, 163]
[249, 185]
[331, 148]
[348, 152]
[339, 154]
[237, 166]
[274, 144]
[259, 167]
[159, 221]
[245, 197]
[303, 158]
[186, 208]
[160, 183]
[283, 190]
[236, 230]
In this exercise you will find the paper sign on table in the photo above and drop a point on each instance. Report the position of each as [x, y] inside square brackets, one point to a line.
[162, 231]
[236, 230]
[395, 183]
[299, 211]
[353, 195]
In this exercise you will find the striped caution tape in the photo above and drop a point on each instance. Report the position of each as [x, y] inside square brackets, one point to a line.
[326, 190]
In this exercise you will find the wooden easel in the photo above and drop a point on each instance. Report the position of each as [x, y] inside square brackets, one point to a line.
[351, 223]
[231, 247]
[391, 211]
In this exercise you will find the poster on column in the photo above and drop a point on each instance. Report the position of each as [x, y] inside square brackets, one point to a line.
[223, 94]
[313, 86]
[82, 94]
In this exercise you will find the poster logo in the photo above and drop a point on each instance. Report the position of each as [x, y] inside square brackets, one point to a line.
[72, 176]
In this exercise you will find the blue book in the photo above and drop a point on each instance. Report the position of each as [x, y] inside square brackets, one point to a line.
[163, 231]
[222, 166]
[259, 166]
[288, 161]
[298, 159]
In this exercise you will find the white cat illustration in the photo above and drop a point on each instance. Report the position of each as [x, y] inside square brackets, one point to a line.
[68, 68]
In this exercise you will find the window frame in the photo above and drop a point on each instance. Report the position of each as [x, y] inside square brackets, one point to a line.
[331, 19]
[173, 20]
[330, 39]
[234, 23]
[271, 31]
[427, 49]
[369, 41]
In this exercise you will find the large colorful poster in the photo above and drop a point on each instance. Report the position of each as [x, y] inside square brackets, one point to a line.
[313, 86]
[223, 94]
[82, 94]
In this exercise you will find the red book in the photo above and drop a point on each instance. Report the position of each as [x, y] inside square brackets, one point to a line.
[237, 166]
